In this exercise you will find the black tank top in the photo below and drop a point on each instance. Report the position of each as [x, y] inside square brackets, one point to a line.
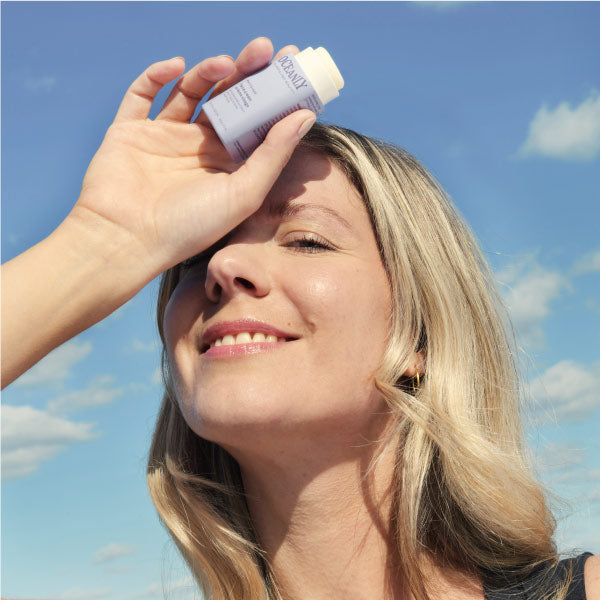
[533, 587]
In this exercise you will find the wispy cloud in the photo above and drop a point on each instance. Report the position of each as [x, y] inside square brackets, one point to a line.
[31, 436]
[81, 594]
[139, 346]
[555, 458]
[572, 538]
[56, 367]
[587, 264]
[100, 391]
[157, 376]
[528, 290]
[564, 132]
[440, 5]
[566, 391]
[41, 83]
[180, 589]
[112, 552]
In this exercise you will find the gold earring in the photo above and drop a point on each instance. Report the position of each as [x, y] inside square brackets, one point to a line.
[418, 383]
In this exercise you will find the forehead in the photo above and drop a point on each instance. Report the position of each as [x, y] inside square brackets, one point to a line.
[312, 179]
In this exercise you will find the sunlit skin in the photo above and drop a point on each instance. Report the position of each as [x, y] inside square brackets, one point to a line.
[307, 264]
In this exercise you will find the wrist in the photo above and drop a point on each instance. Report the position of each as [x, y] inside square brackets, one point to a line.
[105, 248]
[60, 287]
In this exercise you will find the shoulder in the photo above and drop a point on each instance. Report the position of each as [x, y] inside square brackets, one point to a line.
[592, 577]
[582, 572]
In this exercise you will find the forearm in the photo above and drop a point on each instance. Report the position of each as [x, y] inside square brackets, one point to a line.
[61, 286]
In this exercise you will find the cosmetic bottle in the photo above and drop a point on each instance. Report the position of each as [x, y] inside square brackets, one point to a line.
[243, 114]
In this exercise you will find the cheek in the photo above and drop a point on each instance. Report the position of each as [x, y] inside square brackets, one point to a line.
[347, 310]
[182, 312]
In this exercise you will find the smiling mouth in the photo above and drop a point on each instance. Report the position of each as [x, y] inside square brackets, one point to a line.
[245, 337]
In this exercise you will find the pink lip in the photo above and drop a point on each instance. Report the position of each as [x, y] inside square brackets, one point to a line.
[219, 330]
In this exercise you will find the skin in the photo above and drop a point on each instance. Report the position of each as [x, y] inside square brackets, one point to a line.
[592, 578]
[311, 274]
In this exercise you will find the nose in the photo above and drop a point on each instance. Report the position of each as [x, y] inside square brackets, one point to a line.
[237, 269]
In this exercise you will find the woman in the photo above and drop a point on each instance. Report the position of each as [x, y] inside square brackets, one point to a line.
[340, 417]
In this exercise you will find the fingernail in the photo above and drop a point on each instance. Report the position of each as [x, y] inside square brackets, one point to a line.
[225, 56]
[181, 57]
[306, 125]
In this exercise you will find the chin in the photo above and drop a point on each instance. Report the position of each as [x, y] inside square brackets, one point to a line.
[241, 415]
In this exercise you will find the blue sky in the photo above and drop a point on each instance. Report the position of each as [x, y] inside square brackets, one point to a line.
[501, 101]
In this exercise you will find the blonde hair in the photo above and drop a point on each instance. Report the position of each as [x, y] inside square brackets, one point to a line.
[463, 493]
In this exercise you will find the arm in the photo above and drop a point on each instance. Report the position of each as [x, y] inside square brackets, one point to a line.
[592, 578]
[156, 193]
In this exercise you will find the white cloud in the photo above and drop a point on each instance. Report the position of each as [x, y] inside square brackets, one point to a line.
[572, 535]
[81, 594]
[56, 367]
[565, 132]
[440, 5]
[99, 392]
[139, 346]
[592, 305]
[157, 376]
[588, 263]
[112, 552]
[42, 83]
[118, 314]
[555, 458]
[567, 391]
[528, 290]
[31, 436]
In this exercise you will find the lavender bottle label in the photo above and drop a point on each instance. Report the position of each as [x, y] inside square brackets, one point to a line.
[243, 114]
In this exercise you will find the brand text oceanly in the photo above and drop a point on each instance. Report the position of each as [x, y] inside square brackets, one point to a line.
[288, 67]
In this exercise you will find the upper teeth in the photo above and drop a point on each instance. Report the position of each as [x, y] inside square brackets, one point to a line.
[245, 338]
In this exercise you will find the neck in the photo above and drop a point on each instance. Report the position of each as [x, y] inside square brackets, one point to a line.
[321, 511]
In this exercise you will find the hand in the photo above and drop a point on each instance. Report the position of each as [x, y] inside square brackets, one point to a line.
[156, 193]
[167, 189]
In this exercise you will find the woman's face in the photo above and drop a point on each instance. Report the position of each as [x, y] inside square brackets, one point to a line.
[280, 329]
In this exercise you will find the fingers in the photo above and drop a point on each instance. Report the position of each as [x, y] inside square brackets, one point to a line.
[193, 86]
[291, 49]
[262, 169]
[196, 83]
[253, 57]
[138, 99]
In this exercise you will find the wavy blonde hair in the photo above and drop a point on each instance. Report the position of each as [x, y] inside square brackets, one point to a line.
[463, 493]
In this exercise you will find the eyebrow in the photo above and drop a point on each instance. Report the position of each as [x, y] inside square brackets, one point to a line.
[290, 209]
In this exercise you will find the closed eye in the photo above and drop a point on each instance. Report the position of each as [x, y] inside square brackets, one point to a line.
[309, 242]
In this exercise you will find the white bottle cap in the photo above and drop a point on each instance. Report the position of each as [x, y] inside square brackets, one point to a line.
[322, 72]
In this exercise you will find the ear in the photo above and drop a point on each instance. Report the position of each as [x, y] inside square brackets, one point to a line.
[416, 365]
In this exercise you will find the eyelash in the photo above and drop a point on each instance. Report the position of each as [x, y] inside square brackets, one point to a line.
[309, 242]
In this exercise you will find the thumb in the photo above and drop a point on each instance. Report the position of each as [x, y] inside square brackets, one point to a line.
[259, 173]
